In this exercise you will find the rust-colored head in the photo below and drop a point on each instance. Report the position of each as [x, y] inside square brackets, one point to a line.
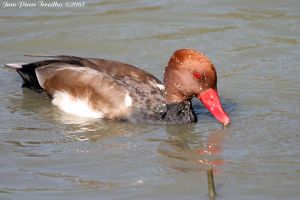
[189, 74]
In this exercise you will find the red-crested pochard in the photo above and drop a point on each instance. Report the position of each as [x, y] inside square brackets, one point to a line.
[113, 90]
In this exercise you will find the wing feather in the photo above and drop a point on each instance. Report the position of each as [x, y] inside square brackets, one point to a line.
[86, 84]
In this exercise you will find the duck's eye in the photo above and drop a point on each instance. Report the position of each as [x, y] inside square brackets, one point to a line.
[197, 75]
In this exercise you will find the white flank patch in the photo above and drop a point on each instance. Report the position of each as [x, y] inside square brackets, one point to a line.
[127, 100]
[160, 86]
[157, 85]
[74, 106]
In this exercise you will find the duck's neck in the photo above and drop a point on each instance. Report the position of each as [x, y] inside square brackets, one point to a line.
[173, 92]
[180, 112]
[178, 107]
[173, 95]
[173, 98]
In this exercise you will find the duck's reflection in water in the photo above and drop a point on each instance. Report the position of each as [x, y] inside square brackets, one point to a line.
[101, 130]
[187, 150]
[179, 147]
[97, 131]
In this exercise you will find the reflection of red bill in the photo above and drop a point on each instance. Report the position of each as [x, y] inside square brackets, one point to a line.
[211, 101]
[214, 150]
[212, 162]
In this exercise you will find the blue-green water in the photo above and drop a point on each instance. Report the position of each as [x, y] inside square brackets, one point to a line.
[255, 45]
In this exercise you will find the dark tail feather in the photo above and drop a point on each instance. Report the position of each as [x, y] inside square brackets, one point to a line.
[27, 72]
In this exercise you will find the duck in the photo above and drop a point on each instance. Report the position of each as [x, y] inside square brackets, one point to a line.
[113, 90]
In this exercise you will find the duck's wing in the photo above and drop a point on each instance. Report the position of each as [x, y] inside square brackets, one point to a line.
[115, 69]
[84, 90]
[145, 90]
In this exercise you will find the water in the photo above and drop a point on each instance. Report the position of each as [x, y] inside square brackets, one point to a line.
[255, 45]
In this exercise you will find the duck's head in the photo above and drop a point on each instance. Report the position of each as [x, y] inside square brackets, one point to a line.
[189, 74]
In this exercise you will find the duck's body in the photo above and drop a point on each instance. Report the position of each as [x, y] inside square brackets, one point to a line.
[100, 88]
